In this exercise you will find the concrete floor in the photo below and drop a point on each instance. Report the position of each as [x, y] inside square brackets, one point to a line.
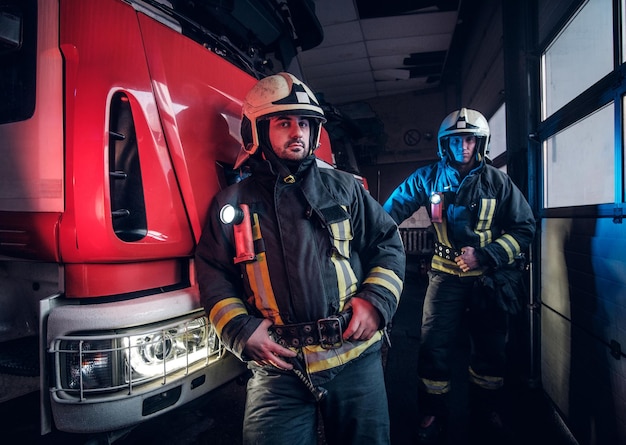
[216, 418]
[529, 416]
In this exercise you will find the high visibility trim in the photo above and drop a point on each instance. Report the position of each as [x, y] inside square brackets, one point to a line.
[342, 235]
[486, 381]
[386, 278]
[442, 232]
[320, 359]
[484, 237]
[346, 279]
[486, 213]
[450, 267]
[224, 311]
[347, 283]
[510, 245]
[256, 227]
[436, 386]
[341, 230]
[259, 280]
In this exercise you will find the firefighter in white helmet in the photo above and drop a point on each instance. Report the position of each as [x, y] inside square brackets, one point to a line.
[303, 283]
[483, 225]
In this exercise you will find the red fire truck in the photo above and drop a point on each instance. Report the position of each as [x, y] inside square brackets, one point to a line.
[119, 121]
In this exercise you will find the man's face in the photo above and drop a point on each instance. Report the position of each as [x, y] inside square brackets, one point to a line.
[462, 148]
[290, 136]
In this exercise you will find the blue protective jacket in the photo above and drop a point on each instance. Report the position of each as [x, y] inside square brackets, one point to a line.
[484, 210]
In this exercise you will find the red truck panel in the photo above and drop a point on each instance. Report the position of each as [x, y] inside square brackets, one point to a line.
[102, 46]
[199, 97]
[185, 103]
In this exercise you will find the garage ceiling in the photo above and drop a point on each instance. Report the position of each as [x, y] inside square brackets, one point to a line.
[378, 48]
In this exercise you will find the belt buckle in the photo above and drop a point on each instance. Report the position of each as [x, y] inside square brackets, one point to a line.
[330, 332]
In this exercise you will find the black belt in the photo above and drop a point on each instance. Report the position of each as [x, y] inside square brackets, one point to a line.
[445, 252]
[326, 332]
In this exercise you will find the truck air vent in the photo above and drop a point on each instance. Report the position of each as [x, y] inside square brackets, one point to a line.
[128, 209]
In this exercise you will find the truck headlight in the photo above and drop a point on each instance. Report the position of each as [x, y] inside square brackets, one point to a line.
[169, 350]
[106, 362]
[88, 365]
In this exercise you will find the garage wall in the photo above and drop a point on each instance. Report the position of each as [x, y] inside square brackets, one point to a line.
[411, 121]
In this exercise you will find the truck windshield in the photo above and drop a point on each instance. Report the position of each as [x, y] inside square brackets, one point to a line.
[18, 40]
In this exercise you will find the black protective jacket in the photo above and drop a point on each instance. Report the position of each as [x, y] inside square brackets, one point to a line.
[484, 210]
[318, 242]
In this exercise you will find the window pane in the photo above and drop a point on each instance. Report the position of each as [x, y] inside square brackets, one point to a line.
[579, 162]
[497, 128]
[580, 56]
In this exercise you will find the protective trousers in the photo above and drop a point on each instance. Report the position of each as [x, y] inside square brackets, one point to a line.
[451, 304]
[280, 410]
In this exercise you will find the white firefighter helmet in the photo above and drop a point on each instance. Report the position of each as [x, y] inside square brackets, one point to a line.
[279, 94]
[461, 123]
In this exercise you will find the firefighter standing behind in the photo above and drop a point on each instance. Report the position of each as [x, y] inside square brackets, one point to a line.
[482, 223]
[278, 292]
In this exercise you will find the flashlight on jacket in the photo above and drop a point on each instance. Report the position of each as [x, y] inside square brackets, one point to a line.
[239, 218]
[436, 207]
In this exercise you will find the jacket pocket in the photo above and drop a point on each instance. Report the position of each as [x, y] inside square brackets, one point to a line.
[341, 236]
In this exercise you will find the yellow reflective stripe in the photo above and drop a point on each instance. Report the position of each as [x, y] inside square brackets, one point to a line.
[342, 233]
[347, 283]
[385, 278]
[437, 262]
[485, 213]
[259, 279]
[346, 280]
[436, 386]
[442, 232]
[320, 359]
[450, 267]
[486, 381]
[256, 227]
[224, 311]
[258, 275]
[484, 238]
[510, 245]
[485, 220]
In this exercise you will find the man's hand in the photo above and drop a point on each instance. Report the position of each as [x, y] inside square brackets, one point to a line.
[467, 260]
[365, 320]
[265, 351]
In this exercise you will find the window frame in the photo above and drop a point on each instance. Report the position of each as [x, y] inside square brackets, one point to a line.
[609, 89]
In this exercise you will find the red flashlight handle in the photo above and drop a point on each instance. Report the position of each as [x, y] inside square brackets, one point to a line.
[244, 244]
[436, 211]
